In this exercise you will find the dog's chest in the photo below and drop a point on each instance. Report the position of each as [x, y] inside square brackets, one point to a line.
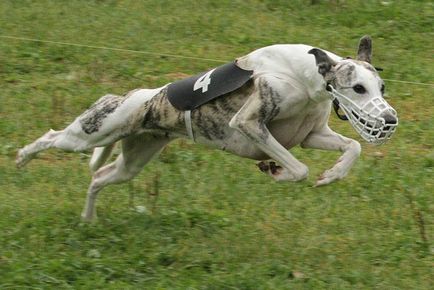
[288, 132]
[293, 131]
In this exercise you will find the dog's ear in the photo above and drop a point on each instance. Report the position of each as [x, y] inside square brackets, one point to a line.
[365, 49]
[323, 61]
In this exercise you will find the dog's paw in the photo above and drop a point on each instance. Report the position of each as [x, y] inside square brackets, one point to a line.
[269, 167]
[89, 217]
[282, 174]
[333, 174]
[300, 174]
[22, 158]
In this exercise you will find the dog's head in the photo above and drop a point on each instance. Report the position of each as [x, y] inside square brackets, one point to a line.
[359, 90]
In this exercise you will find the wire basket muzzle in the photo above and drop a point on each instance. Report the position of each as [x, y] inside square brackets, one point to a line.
[369, 121]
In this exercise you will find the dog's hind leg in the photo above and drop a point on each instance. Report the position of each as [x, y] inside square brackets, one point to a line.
[99, 156]
[105, 122]
[136, 152]
[71, 138]
[29, 152]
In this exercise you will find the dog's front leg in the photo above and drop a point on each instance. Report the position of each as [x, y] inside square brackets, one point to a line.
[329, 140]
[251, 121]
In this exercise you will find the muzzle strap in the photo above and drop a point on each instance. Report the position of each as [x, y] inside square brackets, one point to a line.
[336, 107]
[329, 88]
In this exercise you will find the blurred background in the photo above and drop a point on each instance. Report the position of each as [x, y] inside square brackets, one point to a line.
[198, 218]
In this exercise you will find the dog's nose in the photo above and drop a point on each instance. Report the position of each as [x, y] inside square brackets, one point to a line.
[389, 118]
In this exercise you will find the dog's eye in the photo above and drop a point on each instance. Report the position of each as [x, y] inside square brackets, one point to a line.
[359, 89]
[383, 88]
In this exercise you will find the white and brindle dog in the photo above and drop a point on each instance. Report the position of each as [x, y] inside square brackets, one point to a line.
[286, 102]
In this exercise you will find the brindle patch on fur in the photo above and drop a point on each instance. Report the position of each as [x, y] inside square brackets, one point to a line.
[210, 126]
[269, 109]
[152, 117]
[159, 114]
[345, 74]
[92, 119]
[211, 120]
[269, 99]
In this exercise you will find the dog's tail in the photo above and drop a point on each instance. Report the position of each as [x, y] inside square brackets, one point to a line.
[100, 156]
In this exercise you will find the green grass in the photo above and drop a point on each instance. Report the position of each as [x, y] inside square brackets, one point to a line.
[217, 223]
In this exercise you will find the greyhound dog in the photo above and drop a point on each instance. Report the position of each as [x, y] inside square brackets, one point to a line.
[285, 101]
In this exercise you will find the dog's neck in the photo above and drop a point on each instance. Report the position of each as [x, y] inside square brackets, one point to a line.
[292, 62]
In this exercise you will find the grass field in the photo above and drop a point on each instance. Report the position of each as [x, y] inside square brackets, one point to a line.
[210, 220]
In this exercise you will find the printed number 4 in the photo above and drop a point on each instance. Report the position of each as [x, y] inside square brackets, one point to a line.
[203, 82]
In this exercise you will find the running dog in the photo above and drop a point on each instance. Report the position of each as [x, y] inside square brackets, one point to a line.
[281, 96]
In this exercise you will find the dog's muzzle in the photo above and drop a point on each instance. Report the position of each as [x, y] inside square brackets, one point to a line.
[375, 121]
